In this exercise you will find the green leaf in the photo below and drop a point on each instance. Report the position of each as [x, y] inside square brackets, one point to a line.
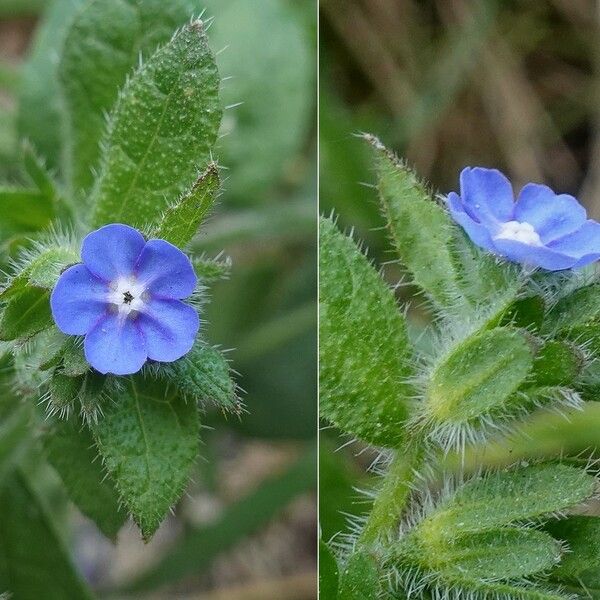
[502, 498]
[365, 352]
[270, 59]
[211, 269]
[526, 313]
[582, 536]
[40, 269]
[509, 553]
[63, 393]
[204, 375]
[74, 362]
[161, 131]
[328, 573]
[360, 578]
[478, 376]
[35, 562]
[442, 261]
[26, 314]
[198, 547]
[576, 317]
[339, 477]
[24, 210]
[71, 451]
[149, 442]
[483, 588]
[35, 167]
[557, 363]
[181, 219]
[103, 44]
[40, 112]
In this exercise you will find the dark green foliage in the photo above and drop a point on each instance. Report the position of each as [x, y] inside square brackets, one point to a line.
[359, 579]
[148, 441]
[160, 132]
[104, 43]
[204, 376]
[26, 314]
[71, 451]
[36, 565]
[181, 219]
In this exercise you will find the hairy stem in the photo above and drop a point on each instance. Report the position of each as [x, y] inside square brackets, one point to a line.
[393, 496]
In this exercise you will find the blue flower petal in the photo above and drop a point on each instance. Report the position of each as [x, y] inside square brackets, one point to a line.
[477, 232]
[583, 244]
[534, 256]
[112, 251]
[552, 215]
[170, 328]
[78, 300]
[116, 345]
[166, 270]
[487, 195]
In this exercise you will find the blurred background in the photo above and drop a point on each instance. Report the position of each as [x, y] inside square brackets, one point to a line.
[511, 84]
[246, 529]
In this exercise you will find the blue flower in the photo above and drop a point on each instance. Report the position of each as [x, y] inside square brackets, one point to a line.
[126, 299]
[541, 229]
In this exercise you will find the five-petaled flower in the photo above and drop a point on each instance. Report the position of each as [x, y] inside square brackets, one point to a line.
[541, 229]
[125, 298]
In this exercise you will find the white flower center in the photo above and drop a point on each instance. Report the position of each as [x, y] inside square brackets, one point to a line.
[127, 296]
[519, 232]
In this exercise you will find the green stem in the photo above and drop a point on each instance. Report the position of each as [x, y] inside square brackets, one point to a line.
[393, 496]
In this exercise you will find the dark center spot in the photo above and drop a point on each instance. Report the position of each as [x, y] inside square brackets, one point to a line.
[127, 297]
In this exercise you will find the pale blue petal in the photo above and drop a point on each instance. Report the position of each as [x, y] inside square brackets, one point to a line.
[583, 244]
[112, 251]
[551, 215]
[166, 270]
[116, 345]
[534, 256]
[478, 233]
[78, 300]
[487, 195]
[169, 327]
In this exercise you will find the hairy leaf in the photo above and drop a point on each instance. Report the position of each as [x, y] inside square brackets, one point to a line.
[71, 451]
[365, 352]
[103, 44]
[360, 578]
[478, 376]
[161, 131]
[447, 266]
[149, 441]
[41, 269]
[182, 218]
[501, 498]
[582, 536]
[509, 553]
[557, 363]
[211, 269]
[204, 375]
[26, 314]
